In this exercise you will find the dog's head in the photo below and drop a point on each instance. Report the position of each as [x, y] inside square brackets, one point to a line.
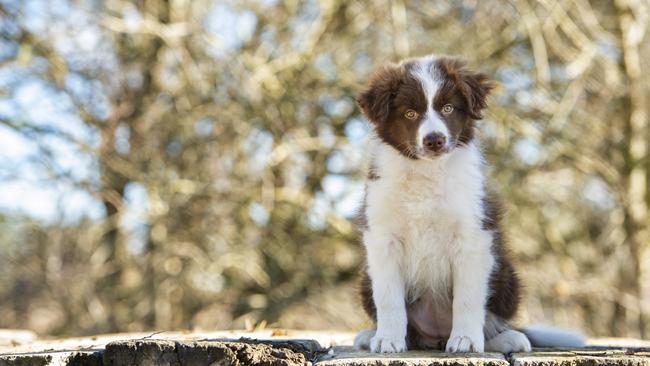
[425, 107]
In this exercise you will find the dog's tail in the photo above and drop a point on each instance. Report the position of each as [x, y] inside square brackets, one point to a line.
[362, 340]
[545, 336]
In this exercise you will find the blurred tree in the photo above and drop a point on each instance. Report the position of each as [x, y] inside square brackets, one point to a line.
[222, 146]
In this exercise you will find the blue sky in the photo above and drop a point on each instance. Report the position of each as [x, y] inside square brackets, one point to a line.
[31, 163]
[40, 173]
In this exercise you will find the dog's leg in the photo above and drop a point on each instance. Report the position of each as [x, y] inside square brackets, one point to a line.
[388, 292]
[471, 269]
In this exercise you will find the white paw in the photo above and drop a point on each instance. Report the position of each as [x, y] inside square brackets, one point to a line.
[465, 342]
[509, 341]
[387, 344]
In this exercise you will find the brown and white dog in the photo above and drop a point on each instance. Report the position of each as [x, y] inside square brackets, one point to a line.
[438, 274]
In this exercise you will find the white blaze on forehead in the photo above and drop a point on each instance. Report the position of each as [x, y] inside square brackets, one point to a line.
[423, 71]
[431, 121]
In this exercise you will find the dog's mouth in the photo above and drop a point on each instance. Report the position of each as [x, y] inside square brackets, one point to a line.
[417, 152]
[424, 153]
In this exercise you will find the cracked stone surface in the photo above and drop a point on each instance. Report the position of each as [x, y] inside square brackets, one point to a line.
[283, 347]
[211, 352]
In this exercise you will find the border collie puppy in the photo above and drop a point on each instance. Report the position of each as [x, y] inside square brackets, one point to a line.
[438, 275]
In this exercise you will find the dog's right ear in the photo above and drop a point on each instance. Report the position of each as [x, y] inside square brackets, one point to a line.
[375, 102]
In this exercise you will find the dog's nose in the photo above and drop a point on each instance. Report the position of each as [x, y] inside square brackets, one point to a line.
[434, 141]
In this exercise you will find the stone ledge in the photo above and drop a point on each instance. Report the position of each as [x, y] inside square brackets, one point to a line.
[586, 357]
[280, 347]
[348, 356]
[226, 352]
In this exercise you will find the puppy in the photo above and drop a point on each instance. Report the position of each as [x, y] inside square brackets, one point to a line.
[438, 274]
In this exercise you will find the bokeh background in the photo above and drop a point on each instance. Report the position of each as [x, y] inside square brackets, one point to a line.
[197, 164]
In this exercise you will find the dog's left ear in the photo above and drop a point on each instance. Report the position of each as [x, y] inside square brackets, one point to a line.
[476, 87]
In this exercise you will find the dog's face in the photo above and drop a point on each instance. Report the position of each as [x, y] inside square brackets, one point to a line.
[425, 107]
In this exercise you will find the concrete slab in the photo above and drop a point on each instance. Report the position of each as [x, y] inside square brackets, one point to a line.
[286, 347]
[584, 357]
[14, 337]
[348, 356]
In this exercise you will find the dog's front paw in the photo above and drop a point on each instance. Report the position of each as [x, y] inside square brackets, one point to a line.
[465, 342]
[382, 344]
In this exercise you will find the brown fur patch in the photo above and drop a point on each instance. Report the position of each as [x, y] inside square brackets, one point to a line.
[365, 290]
[474, 86]
[393, 91]
[376, 101]
[504, 282]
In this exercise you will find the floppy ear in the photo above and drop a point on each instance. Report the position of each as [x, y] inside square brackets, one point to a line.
[375, 102]
[474, 86]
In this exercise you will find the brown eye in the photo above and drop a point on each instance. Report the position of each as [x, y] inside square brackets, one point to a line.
[447, 108]
[411, 114]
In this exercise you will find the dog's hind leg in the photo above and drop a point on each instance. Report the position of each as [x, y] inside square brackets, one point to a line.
[508, 341]
[500, 337]
[362, 340]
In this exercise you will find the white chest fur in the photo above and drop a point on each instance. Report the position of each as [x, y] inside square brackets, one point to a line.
[423, 206]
